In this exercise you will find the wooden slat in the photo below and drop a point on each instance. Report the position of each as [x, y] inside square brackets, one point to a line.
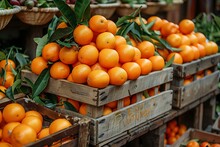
[216, 126]
[99, 97]
[195, 90]
[193, 67]
[133, 115]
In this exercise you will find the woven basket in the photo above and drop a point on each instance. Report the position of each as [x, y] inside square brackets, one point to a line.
[6, 16]
[106, 10]
[36, 16]
[126, 9]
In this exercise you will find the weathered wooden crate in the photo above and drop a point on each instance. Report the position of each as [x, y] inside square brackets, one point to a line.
[197, 134]
[97, 98]
[186, 94]
[216, 126]
[79, 131]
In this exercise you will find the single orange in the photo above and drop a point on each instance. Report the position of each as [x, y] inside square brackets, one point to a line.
[8, 65]
[157, 22]
[59, 70]
[177, 58]
[111, 27]
[83, 109]
[98, 79]
[107, 110]
[112, 105]
[98, 66]
[13, 112]
[126, 101]
[119, 40]
[126, 53]
[195, 52]
[8, 80]
[34, 122]
[7, 129]
[158, 63]
[147, 49]
[105, 40]
[108, 58]
[174, 40]
[146, 66]
[50, 52]
[201, 37]
[58, 125]
[133, 70]
[38, 64]
[186, 26]
[137, 54]
[68, 55]
[43, 133]
[34, 113]
[98, 23]
[82, 35]
[80, 73]
[186, 53]
[88, 54]
[118, 76]
[192, 144]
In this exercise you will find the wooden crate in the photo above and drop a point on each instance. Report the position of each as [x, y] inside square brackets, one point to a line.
[97, 98]
[216, 126]
[186, 94]
[79, 129]
[196, 134]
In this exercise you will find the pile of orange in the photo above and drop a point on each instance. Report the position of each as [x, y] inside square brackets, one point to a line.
[193, 45]
[7, 80]
[19, 127]
[193, 143]
[173, 131]
[102, 58]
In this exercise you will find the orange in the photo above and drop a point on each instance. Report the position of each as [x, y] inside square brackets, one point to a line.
[177, 58]
[68, 55]
[62, 25]
[175, 129]
[80, 73]
[147, 49]
[164, 53]
[22, 135]
[50, 52]
[192, 144]
[8, 81]
[133, 42]
[151, 91]
[58, 125]
[98, 66]
[214, 47]
[111, 27]
[208, 48]
[34, 113]
[59, 70]
[201, 48]
[1, 118]
[98, 79]
[105, 40]
[43, 133]
[133, 70]
[83, 109]
[74, 103]
[157, 63]
[126, 53]
[8, 65]
[171, 140]
[193, 39]
[88, 54]
[118, 76]
[69, 78]
[5, 144]
[34, 122]
[201, 37]
[186, 26]
[126, 101]
[168, 28]
[186, 82]
[195, 52]
[146, 66]
[186, 53]
[137, 54]
[7, 129]
[215, 145]
[13, 112]
[98, 23]
[38, 64]
[2, 92]
[107, 110]
[185, 40]
[205, 144]
[119, 40]
[108, 58]
[112, 105]
[157, 22]
[174, 40]
[82, 35]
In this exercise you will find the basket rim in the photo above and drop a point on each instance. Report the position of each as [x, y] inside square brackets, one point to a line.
[115, 4]
[36, 9]
[14, 10]
[124, 5]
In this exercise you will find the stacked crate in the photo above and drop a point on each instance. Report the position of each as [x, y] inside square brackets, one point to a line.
[77, 134]
[117, 123]
[199, 87]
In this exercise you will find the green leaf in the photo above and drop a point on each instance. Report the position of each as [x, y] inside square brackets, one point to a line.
[41, 82]
[10, 94]
[218, 108]
[60, 33]
[81, 9]
[52, 26]
[67, 44]
[123, 31]
[146, 27]
[21, 59]
[50, 105]
[69, 106]
[5, 4]
[67, 12]
[38, 100]
[125, 19]
[146, 95]
[136, 12]
[29, 82]
[51, 98]
[170, 61]
[2, 55]
[42, 42]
